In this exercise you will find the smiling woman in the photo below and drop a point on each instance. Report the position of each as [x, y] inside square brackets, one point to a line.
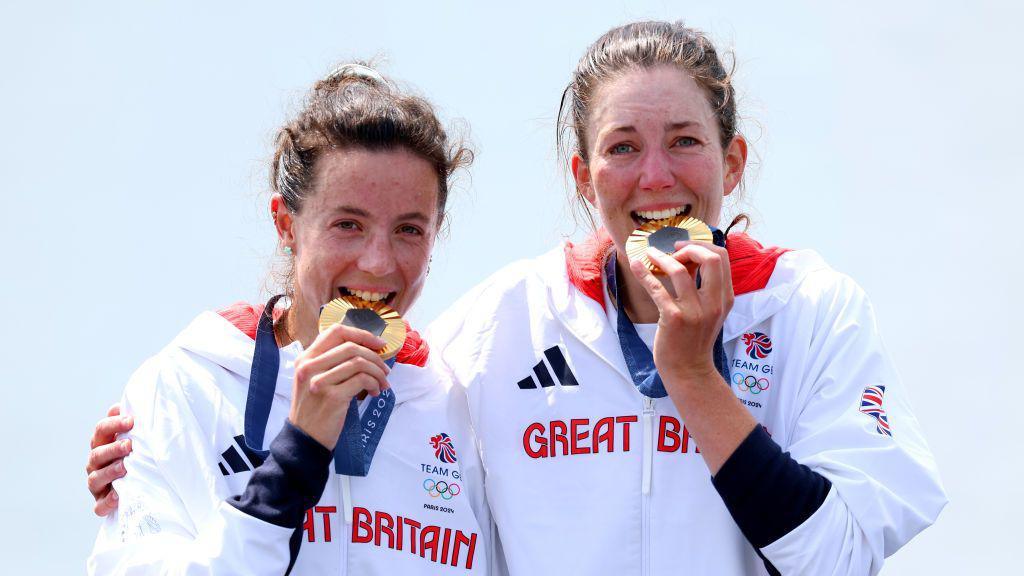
[360, 181]
[587, 381]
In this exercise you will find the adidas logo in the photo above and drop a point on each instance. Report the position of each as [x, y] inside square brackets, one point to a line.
[556, 366]
[234, 459]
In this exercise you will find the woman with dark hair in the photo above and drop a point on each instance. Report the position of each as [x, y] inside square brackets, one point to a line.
[360, 181]
[593, 373]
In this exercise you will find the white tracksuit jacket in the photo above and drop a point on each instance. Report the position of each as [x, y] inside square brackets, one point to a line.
[587, 476]
[188, 457]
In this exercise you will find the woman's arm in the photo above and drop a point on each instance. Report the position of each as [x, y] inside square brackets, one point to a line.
[845, 495]
[170, 519]
[885, 486]
[713, 414]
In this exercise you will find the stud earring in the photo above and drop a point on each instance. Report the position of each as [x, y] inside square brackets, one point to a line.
[288, 250]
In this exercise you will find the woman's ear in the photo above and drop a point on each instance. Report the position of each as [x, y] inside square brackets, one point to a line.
[735, 164]
[283, 222]
[581, 174]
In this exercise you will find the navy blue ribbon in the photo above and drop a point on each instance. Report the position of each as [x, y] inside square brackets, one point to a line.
[639, 358]
[359, 437]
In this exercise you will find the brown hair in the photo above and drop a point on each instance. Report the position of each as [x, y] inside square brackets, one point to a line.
[639, 46]
[355, 106]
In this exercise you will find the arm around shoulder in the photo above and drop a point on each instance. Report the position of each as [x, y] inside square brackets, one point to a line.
[171, 519]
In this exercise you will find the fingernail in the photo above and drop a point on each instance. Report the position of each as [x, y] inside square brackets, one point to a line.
[127, 420]
[113, 495]
[126, 446]
[120, 468]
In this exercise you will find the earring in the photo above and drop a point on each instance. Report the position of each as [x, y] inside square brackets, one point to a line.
[288, 250]
[429, 262]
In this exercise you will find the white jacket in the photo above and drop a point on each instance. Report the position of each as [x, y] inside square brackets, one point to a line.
[587, 476]
[413, 513]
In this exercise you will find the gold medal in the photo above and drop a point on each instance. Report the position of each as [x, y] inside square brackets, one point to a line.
[376, 318]
[663, 235]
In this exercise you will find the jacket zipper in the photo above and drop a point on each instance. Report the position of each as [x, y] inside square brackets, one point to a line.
[346, 514]
[645, 491]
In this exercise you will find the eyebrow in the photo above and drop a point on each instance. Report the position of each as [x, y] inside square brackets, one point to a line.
[668, 127]
[418, 216]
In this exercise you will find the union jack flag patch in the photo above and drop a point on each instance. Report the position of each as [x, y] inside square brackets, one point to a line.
[871, 404]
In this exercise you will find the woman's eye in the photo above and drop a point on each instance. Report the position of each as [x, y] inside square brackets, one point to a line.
[410, 229]
[621, 149]
[686, 141]
[348, 225]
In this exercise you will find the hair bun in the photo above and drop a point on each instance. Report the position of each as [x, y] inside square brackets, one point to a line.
[352, 72]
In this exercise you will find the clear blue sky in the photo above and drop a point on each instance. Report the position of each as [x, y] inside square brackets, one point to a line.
[136, 136]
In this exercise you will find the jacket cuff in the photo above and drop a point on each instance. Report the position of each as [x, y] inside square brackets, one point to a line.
[289, 482]
[767, 492]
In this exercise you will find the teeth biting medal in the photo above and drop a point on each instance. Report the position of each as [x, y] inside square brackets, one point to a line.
[376, 318]
[663, 235]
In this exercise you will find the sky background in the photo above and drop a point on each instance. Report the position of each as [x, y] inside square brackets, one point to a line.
[136, 137]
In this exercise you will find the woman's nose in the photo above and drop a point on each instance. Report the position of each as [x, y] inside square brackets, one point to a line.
[656, 171]
[378, 258]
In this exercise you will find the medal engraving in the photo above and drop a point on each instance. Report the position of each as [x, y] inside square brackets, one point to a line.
[365, 319]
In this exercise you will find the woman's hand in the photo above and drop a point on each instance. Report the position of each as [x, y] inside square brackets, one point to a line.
[340, 364]
[689, 323]
[106, 459]
[691, 319]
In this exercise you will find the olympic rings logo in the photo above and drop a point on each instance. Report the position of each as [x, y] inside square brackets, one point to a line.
[751, 384]
[441, 488]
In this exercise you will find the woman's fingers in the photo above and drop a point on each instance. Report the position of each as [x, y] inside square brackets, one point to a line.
[683, 283]
[353, 386]
[311, 369]
[713, 263]
[339, 334]
[348, 369]
[343, 352]
[662, 299]
[106, 454]
[99, 480]
[106, 503]
[108, 428]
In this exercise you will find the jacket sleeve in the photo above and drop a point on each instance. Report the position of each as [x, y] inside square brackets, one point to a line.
[170, 519]
[885, 486]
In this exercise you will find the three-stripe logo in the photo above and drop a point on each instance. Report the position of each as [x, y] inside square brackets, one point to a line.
[556, 366]
[235, 461]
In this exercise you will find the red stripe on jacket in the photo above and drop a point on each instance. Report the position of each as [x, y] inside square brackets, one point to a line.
[246, 317]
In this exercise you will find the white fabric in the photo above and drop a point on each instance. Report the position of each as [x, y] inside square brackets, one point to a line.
[569, 496]
[646, 332]
[189, 402]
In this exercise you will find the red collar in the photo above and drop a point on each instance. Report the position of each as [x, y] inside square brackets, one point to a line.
[245, 317]
[751, 263]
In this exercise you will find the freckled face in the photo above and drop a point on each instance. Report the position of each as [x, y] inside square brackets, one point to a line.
[654, 151]
[368, 227]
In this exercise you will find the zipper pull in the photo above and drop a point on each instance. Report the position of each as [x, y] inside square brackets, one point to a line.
[648, 443]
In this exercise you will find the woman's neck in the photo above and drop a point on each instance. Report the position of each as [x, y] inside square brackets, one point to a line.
[291, 326]
[639, 306]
